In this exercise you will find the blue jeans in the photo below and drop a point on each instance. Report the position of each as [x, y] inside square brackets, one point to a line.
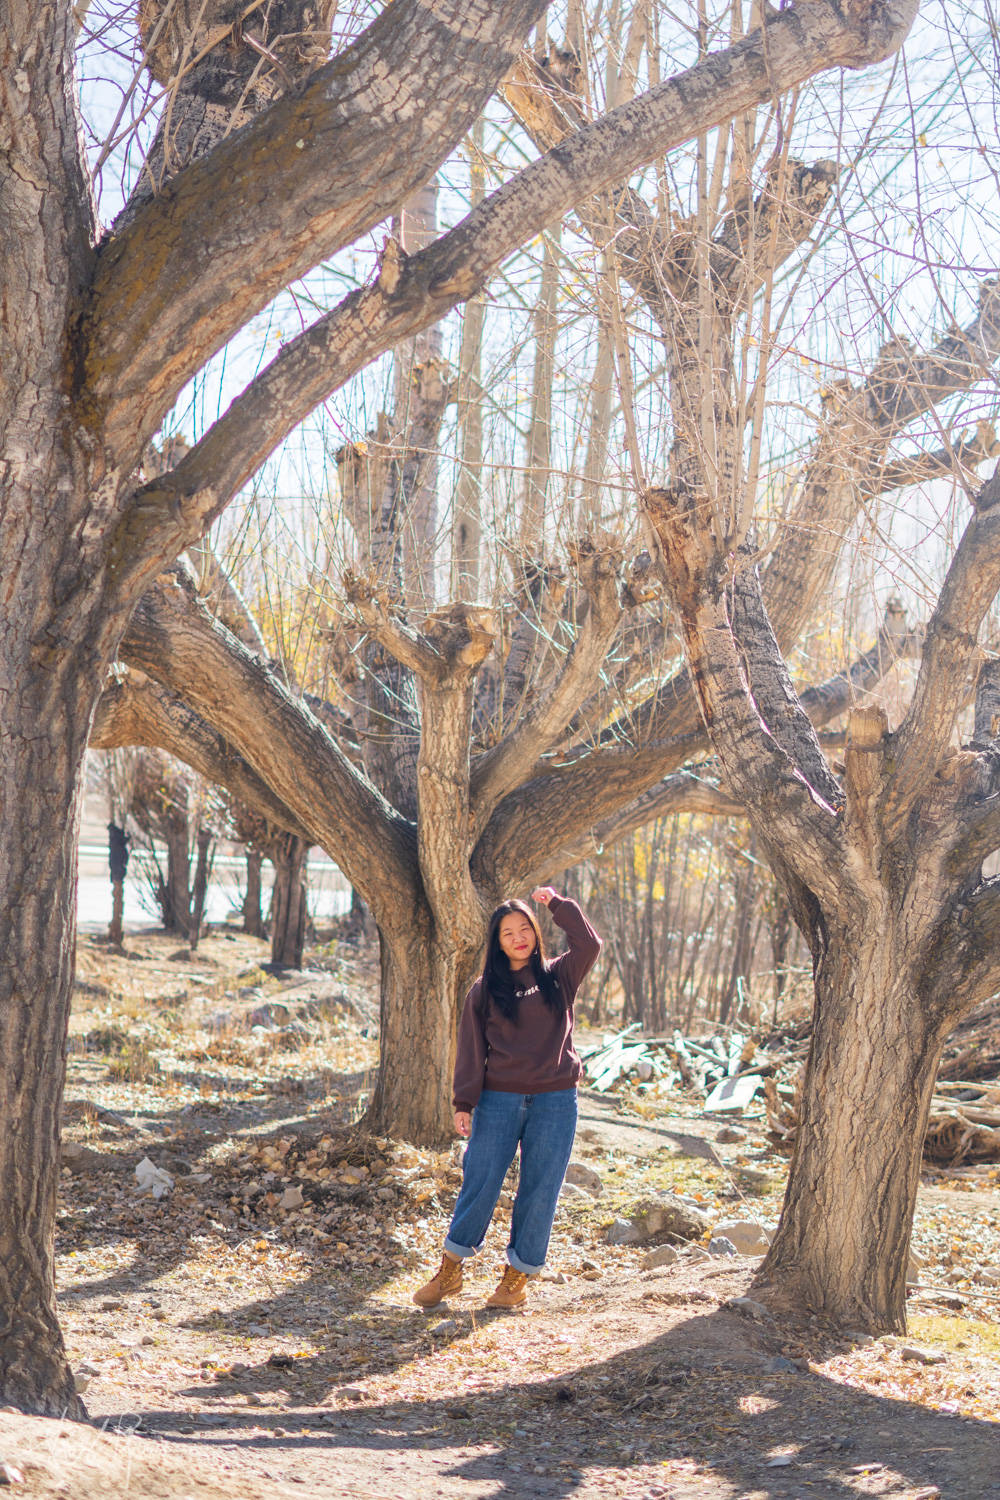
[544, 1125]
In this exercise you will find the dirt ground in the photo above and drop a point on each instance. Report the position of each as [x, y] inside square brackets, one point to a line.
[251, 1333]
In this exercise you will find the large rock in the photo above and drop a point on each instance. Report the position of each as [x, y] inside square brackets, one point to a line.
[582, 1176]
[747, 1237]
[669, 1214]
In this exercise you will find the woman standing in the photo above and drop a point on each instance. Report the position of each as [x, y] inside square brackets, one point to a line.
[515, 1084]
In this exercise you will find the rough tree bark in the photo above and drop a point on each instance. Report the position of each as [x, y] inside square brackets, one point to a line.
[883, 874]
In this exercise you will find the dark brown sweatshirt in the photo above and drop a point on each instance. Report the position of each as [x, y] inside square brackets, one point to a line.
[534, 1054]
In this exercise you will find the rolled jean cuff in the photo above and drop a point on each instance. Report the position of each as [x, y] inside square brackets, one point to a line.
[460, 1252]
[513, 1259]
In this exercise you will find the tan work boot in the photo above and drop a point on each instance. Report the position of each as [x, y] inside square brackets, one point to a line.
[512, 1291]
[446, 1281]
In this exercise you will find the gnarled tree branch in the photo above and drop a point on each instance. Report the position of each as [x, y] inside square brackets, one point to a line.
[969, 589]
[173, 639]
[137, 711]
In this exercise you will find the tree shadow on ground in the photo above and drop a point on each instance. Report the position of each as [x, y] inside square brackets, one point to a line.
[704, 1396]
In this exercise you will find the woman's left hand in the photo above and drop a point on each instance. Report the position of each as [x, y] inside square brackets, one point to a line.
[544, 894]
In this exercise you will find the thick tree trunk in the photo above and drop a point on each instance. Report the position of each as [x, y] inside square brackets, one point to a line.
[37, 935]
[288, 902]
[842, 1243]
[421, 988]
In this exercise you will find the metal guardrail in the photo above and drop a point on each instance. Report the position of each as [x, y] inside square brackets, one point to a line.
[325, 867]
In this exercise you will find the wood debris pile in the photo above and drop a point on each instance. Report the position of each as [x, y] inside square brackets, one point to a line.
[731, 1069]
[728, 1066]
[964, 1125]
[963, 1128]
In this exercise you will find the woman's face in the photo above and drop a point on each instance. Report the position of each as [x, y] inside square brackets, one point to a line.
[517, 938]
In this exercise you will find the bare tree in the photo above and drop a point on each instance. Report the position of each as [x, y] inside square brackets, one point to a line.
[266, 159]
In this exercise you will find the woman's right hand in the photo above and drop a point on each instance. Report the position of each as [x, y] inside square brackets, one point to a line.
[463, 1122]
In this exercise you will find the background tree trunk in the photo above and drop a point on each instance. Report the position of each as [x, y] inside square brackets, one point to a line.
[175, 890]
[253, 920]
[116, 925]
[199, 891]
[288, 901]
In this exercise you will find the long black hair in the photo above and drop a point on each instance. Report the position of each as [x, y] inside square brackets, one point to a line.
[498, 979]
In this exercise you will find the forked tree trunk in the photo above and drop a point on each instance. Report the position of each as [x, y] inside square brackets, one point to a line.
[420, 992]
[843, 1239]
[288, 902]
[38, 881]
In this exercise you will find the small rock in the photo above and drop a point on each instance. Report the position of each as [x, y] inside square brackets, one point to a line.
[622, 1232]
[990, 1274]
[930, 1493]
[589, 1265]
[291, 1198]
[663, 1255]
[446, 1326]
[729, 1135]
[921, 1356]
[748, 1238]
[750, 1309]
[111, 1304]
[582, 1176]
[782, 1461]
[259, 1330]
[644, 1070]
[779, 1365]
[10, 1475]
[719, 1245]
